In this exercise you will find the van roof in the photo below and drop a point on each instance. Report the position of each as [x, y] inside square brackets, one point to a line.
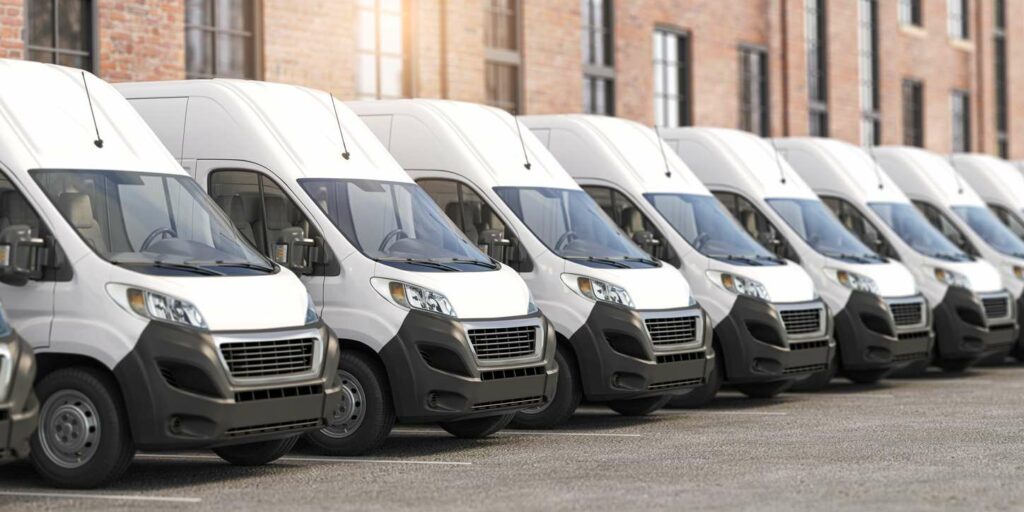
[477, 141]
[924, 175]
[833, 167]
[287, 128]
[724, 158]
[45, 123]
[615, 149]
[994, 179]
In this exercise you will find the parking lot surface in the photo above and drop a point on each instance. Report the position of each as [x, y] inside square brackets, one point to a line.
[933, 443]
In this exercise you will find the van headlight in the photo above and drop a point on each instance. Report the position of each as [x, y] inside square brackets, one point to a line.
[595, 289]
[854, 281]
[952, 278]
[1018, 272]
[312, 316]
[740, 285]
[415, 297]
[157, 306]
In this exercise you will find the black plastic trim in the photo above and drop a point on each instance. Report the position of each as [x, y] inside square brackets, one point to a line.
[868, 338]
[19, 413]
[959, 340]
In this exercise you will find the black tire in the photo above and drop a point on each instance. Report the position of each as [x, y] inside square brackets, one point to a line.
[764, 389]
[568, 394]
[705, 393]
[639, 406]
[99, 422]
[478, 427]
[819, 380]
[867, 376]
[367, 394]
[1018, 352]
[954, 366]
[915, 369]
[256, 454]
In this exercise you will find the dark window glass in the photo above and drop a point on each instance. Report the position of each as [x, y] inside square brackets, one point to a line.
[910, 12]
[502, 80]
[816, 37]
[961, 121]
[870, 102]
[1010, 219]
[754, 110]
[220, 39]
[859, 225]
[1002, 94]
[913, 113]
[671, 78]
[757, 225]
[946, 227]
[598, 55]
[380, 50]
[633, 222]
[60, 32]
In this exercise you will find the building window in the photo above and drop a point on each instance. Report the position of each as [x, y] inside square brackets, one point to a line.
[961, 112]
[220, 39]
[598, 54]
[958, 23]
[817, 66]
[913, 113]
[60, 32]
[671, 78]
[910, 12]
[870, 117]
[380, 72]
[501, 41]
[1002, 99]
[754, 111]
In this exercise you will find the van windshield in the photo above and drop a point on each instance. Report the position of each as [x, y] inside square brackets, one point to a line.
[574, 227]
[818, 226]
[988, 227]
[709, 228]
[915, 230]
[155, 223]
[396, 223]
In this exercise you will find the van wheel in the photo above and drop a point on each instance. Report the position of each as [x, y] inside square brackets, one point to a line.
[256, 454]
[819, 380]
[705, 393]
[764, 389]
[1018, 352]
[639, 406]
[478, 427]
[568, 394]
[366, 414]
[915, 369]
[83, 440]
[954, 365]
[867, 376]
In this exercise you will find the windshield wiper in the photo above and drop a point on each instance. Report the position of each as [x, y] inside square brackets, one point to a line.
[186, 267]
[773, 259]
[244, 264]
[858, 258]
[951, 256]
[486, 264]
[736, 257]
[648, 261]
[606, 261]
[424, 263]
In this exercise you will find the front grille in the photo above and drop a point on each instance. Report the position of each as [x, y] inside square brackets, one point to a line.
[915, 335]
[275, 358]
[996, 307]
[270, 394]
[675, 384]
[512, 373]
[505, 404]
[504, 342]
[808, 368]
[672, 331]
[907, 313]
[685, 356]
[807, 345]
[802, 321]
[912, 356]
[269, 428]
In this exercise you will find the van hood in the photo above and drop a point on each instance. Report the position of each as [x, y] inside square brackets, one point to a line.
[785, 283]
[474, 295]
[650, 288]
[983, 275]
[893, 279]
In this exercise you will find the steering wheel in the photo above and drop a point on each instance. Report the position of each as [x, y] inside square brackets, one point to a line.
[698, 243]
[394, 236]
[158, 232]
[565, 239]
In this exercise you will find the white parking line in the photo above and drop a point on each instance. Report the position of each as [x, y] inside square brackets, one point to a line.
[724, 413]
[526, 433]
[112, 497]
[326, 460]
[850, 395]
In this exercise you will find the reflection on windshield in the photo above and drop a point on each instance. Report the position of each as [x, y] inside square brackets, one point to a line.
[988, 227]
[149, 219]
[392, 221]
[571, 224]
[818, 226]
[911, 226]
[708, 227]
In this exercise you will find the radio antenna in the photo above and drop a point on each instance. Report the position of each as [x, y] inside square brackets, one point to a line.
[956, 175]
[661, 146]
[99, 140]
[522, 143]
[344, 147]
[778, 162]
[878, 169]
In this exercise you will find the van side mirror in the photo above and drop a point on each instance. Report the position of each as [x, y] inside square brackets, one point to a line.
[21, 255]
[294, 251]
[493, 243]
[646, 241]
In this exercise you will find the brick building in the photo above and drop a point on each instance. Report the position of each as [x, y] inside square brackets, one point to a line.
[935, 73]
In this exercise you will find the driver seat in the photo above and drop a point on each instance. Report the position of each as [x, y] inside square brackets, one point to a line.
[235, 208]
[276, 222]
[15, 211]
[632, 221]
[77, 209]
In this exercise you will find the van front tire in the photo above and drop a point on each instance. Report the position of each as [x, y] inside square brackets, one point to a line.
[366, 414]
[639, 406]
[478, 427]
[764, 390]
[561, 407]
[705, 393]
[256, 454]
[83, 440]
[819, 380]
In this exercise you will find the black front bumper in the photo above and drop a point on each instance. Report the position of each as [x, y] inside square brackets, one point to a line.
[435, 375]
[869, 339]
[757, 348]
[19, 412]
[962, 332]
[617, 359]
[179, 396]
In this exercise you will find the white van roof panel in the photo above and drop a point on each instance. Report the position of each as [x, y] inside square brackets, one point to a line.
[829, 165]
[994, 179]
[925, 175]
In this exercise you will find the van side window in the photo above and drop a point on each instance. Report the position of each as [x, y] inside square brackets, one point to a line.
[633, 222]
[859, 225]
[946, 227]
[262, 212]
[15, 211]
[478, 221]
[757, 225]
[1010, 219]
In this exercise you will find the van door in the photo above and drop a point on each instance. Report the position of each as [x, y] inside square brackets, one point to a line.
[29, 305]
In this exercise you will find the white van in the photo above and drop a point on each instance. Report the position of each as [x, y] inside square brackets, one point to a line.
[630, 333]
[432, 330]
[749, 176]
[155, 327]
[999, 183]
[19, 409]
[658, 201]
[986, 301]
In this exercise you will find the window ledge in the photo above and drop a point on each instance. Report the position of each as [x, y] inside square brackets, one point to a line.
[962, 44]
[914, 30]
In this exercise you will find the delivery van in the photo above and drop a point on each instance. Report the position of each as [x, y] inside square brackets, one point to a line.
[19, 409]
[999, 183]
[629, 331]
[432, 330]
[154, 325]
[757, 302]
[954, 208]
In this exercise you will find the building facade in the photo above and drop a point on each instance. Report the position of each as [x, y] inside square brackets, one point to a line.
[934, 73]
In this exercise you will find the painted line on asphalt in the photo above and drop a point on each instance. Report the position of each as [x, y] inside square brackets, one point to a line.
[850, 395]
[90, 496]
[526, 433]
[323, 460]
[724, 413]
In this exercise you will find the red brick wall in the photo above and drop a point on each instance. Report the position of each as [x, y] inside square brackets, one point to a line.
[141, 40]
[310, 43]
[552, 57]
[12, 43]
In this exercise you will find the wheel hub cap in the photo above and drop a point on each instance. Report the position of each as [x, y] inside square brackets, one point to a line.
[69, 429]
[350, 413]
